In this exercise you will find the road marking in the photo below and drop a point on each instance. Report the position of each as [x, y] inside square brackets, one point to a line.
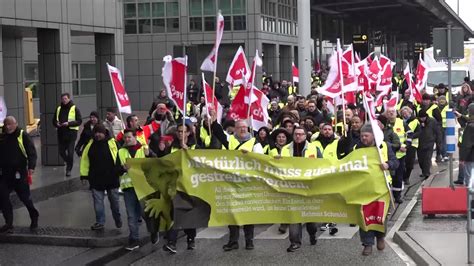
[213, 233]
[344, 232]
[401, 219]
[272, 233]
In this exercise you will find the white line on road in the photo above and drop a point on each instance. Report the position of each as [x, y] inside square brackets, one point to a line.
[213, 232]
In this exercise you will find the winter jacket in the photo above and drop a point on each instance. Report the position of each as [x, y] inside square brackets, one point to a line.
[12, 158]
[466, 148]
[429, 134]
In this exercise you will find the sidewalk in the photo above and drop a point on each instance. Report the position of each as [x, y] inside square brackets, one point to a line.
[441, 240]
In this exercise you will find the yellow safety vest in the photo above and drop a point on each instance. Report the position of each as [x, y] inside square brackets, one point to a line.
[189, 108]
[233, 92]
[330, 152]
[174, 149]
[412, 125]
[384, 150]
[311, 151]
[399, 129]
[314, 136]
[291, 90]
[206, 138]
[399, 105]
[266, 148]
[124, 154]
[85, 163]
[274, 152]
[21, 145]
[234, 143]
[443, 115]
[430, 110]
[70, 117]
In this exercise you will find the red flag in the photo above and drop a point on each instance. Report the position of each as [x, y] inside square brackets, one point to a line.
[257, 62]
[174, 78]
[259, 110]
[421, 75]
[393, 101]
[239, 68]
[209, 64]
[350, 97]
[348, 70]
[211, 101]
[373, 72]
[414, 93]
[123, 102]
[295, 73]
[370, 109]
[386, 76]
[361, 73]
[332, 86]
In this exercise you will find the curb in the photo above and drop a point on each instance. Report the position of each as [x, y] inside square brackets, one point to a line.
[413, 249]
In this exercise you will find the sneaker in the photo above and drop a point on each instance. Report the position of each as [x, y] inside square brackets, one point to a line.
[132, 245]
[6, 229]
[458, 182]
[170, 247]
[293, 248]
[381, 243]
[312, 240]
[118, 224]
[249, 245]
[97, 226]
[333, 231]
[324, 227]
[34, 224]
[446, 158]
[230, 246]
[367, 250]
[191, 244]
[154, 238]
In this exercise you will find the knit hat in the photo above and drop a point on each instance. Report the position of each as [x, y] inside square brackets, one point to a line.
[367, 127]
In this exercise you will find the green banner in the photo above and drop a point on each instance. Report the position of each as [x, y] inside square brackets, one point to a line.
[200, 188]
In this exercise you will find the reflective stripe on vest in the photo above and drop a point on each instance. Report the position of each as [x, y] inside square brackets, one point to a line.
[84, 167]
[124, 154]
[234, 143]
[21, 145]
[330, 152]
[443, 115]
[413, 125]
[430, 110]
[311, 151]
[70, 117]
[399, 129]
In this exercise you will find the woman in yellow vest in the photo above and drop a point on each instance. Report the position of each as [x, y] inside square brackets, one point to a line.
[278, 139]
[132, 149]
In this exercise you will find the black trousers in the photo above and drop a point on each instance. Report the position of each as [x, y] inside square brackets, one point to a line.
[409, 162]
[296, 232]
[66, 149]
[424, 160]
[234, 232]
[397, 179]
[172, 235]
[22, 189]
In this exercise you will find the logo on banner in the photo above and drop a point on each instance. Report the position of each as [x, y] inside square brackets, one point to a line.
[373, 213]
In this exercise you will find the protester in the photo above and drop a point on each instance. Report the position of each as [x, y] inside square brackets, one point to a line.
[100, 166]
[112, 123]
[67, 120]
[87, 132]
[429, 135]
[466, 148]
[17, 165]
[411, 141]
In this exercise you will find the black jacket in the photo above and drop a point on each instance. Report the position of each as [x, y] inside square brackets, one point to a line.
[86, 135]
[429, 134]
[66, 133]
[11, 156]
[466, 148]
[103, 170]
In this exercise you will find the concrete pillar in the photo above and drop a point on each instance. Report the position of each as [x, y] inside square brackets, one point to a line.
[276, 63]
[107, 51]
[304, 47]
[54, 65]
[341, 25]
[13, 89]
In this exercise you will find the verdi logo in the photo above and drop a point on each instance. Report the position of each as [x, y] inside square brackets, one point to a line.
[373, 212]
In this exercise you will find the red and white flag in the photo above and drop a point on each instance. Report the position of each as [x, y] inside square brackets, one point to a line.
[370, 109]
[174, 77]
[421, 75]
[123, 102]
[239, 68]
[332, 87]
[209, 64]
[257, 62]
[392, 102]
[415, 95]
[3, 109]
[386, 76]
[259, 110]
[348, 70]
[374, 73]
[295, 73]
[211, 101]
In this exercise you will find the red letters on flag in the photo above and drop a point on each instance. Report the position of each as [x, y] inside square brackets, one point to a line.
[174, 78]
[239, 68]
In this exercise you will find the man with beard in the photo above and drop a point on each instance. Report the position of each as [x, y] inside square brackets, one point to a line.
[301, 106]
[313, 112]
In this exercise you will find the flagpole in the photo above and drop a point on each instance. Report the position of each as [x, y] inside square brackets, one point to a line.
[341, 81]
[184, 100]
[215, 63]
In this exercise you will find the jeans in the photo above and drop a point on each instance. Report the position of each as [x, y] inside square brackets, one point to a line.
[98, 196]
[22, 189]
[66, 150]
[134, 212]
[467, 171]
[367, 237]
[234, 232]
[296, 232]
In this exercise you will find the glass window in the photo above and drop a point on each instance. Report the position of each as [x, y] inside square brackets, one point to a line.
[158, 9]
[224, 6]
[144, 10]
[172, 25]
[195, 8]
[195, 24]
[210, 24]
[75, 71]
[227, 23]
[159, 25]
[87, 71]
[31, 71]
[239, 23]
[75, 87]
[172, 9]
[129, 11]
[88, 87]
[130, 26]
[209, 7]
[238, 6]
[144, 26]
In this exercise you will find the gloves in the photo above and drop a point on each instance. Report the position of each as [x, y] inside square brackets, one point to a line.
[159, 207]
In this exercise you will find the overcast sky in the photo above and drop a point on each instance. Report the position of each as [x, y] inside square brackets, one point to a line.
[466, 7]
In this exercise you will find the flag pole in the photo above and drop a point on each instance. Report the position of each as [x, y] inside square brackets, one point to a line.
[185, 96]
[215, 63]
[341, 81]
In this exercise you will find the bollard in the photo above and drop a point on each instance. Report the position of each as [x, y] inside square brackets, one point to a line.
[451, 142]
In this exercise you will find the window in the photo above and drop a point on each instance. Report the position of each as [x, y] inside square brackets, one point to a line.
[209, 7]
[156, 17]
[195, 8]
[239, 23]
[225, 7]
[195, 24]
[238, 6]
[31, 78]
[209, 23]
[83, 79]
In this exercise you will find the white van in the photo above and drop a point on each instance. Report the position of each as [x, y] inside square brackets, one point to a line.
[437, 75]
